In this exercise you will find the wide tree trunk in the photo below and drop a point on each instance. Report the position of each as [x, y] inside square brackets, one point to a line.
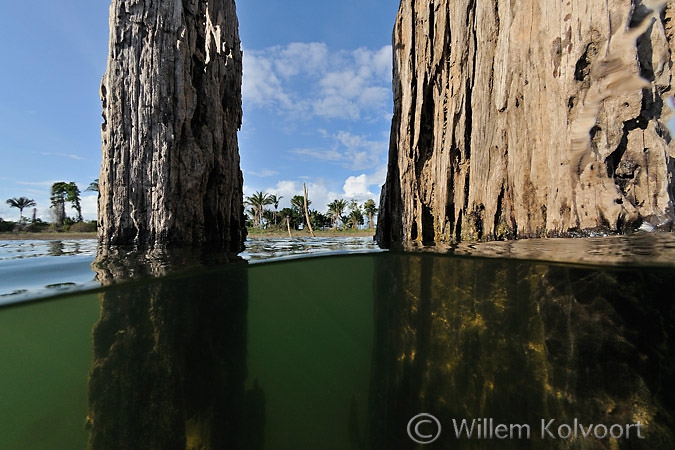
[171, 110]
[528, 118]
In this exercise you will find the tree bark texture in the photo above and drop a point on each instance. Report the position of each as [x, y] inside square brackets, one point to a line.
[528, 119]
[171, 111]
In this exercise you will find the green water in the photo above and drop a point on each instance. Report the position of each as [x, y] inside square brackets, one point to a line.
[45, 356]
[341, 352]
[310, 345]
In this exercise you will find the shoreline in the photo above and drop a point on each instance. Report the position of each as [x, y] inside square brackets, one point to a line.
[46, 235]
[252, 234]
[304, 234]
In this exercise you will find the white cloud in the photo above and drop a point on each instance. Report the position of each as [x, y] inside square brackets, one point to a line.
[356, 187]
[36, 183]
[261, 86]
[306, 80]
[336, 107]
[355, 152]
[64, 155]
[364, 187]
[262, 173]
[318, 191]
[89, 204]
[325, 155]
[299, 57]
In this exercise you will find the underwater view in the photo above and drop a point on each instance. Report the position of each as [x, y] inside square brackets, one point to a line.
[189, 198]
[503, 345]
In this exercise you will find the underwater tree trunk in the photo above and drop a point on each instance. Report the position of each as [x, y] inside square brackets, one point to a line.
[529, 118]
[169, 362]
[171, 110]
[517, 341]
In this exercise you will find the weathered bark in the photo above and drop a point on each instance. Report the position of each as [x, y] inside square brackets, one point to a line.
[171, 110]
[497, 338]
[529, 118]
[169, 363]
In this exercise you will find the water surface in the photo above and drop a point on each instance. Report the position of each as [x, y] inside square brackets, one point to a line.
[342, 351]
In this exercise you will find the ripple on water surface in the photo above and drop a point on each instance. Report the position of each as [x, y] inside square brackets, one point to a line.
[37, 268]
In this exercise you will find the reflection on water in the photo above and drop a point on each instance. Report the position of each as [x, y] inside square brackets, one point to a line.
[260, 249]
[36, 269]
[637, 250]
[510, 342]
[340, 352]
[38, 248]
[170, 364]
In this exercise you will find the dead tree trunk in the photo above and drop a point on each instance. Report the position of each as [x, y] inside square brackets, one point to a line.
[529, 118]
[171, 110]
[309, 223]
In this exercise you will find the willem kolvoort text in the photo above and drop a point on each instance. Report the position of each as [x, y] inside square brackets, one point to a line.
[548, 429]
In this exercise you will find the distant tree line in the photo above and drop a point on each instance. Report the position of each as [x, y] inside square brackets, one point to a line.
[61, 193]
[262, 213]
[341, 214]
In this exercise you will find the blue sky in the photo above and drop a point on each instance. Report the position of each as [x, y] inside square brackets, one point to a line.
[316, 95]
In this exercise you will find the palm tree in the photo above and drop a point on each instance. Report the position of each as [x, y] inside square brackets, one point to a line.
[355, 217]
[301, 208]
[257, 202]
[73, 196]
[298, 206]
[21, 203]
[93, 186]
[370, 209]
[58, 199]
[275, 201]
[335, 210]
[298, 203]
[291, 217]
[63, 192]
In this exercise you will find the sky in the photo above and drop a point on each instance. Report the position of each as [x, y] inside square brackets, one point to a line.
[316, 97]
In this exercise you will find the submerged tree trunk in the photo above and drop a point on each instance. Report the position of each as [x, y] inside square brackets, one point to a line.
[495, 337]
[529, 118]
[169, 357]
[171, 110]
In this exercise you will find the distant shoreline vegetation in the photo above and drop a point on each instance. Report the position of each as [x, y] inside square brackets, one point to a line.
[60, 194]
[342, 215]
[77, 233]
[254, 233]
[36, 227]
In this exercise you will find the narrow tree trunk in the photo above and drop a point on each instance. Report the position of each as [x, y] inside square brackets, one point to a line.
[529, 118]
[309, 224]
[171, 110]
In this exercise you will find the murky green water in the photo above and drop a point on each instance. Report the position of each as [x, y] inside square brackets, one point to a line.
[341, 352]
[45, 357]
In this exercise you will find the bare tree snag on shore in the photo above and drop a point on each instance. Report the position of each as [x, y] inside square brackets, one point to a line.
[309, 223]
